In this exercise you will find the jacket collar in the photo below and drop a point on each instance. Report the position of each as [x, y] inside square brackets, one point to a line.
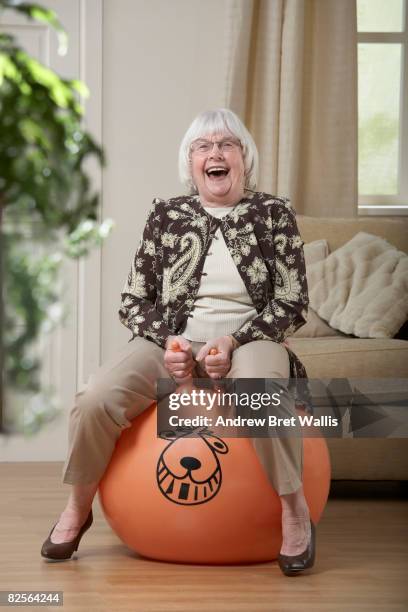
[196, 204]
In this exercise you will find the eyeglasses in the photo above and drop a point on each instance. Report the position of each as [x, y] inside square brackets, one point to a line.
[202, 147]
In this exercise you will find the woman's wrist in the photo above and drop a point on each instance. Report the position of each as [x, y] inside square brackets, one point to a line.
[235, 344]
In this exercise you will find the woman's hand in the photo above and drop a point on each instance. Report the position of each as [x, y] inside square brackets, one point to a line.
[216, 355]
[178, 358]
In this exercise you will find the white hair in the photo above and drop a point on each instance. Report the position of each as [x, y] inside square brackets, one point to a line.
[219, 121]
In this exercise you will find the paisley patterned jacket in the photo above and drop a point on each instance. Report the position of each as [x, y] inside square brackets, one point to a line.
[262, 236]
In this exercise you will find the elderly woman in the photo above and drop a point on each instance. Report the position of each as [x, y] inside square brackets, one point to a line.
[221, 268]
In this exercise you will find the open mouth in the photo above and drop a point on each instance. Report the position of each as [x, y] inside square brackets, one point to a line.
[216, 172]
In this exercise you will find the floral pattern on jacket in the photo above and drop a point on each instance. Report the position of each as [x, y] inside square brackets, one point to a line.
[262, 236]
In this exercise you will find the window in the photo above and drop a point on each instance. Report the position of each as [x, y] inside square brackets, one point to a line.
[382, 106]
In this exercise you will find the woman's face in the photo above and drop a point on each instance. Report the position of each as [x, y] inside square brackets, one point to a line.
[217, 168]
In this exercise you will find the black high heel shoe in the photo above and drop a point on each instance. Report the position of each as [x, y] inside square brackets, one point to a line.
[291, 565]
[65, 550]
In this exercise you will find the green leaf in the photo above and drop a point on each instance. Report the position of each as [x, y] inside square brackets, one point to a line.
[8, 69]
[34, 133]
[80, 87]
[37, 12]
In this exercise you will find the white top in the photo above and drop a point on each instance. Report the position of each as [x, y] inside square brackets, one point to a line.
[222, 303]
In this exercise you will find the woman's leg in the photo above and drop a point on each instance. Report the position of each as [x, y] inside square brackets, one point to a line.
[296, 531]
[281, 457]
[75, 513]
[116, 393]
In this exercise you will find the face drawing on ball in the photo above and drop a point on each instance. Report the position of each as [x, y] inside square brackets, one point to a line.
[188, 470]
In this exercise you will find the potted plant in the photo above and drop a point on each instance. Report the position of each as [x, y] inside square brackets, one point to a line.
[48, 209]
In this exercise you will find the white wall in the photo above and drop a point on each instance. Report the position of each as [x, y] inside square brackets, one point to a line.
[163, 63]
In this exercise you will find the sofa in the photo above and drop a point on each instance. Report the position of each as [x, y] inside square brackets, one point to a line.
[345, 356]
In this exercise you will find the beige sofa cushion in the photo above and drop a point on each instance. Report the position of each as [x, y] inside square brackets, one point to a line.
[359, 458]
[339, 357]
[362, 287]
[315, 326]
[315, 251]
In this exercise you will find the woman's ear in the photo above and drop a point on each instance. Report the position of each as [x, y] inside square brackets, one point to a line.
[193, 188]
[246, 178]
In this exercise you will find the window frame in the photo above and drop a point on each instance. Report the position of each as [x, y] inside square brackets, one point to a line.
[392, 204]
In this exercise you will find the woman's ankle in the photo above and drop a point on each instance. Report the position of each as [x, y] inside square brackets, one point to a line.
[295, 505]
[81, 498]
[75, 513]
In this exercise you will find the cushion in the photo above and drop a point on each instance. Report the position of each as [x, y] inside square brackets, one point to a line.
[315, 326]
[315, 251]
[340, 357]
[362, 287]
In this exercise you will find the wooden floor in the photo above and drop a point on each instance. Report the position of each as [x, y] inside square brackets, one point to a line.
[361, 560]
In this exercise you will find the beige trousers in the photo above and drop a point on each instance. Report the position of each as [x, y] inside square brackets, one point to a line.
[125, 386]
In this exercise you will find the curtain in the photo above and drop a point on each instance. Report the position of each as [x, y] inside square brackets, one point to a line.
[292, 78]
